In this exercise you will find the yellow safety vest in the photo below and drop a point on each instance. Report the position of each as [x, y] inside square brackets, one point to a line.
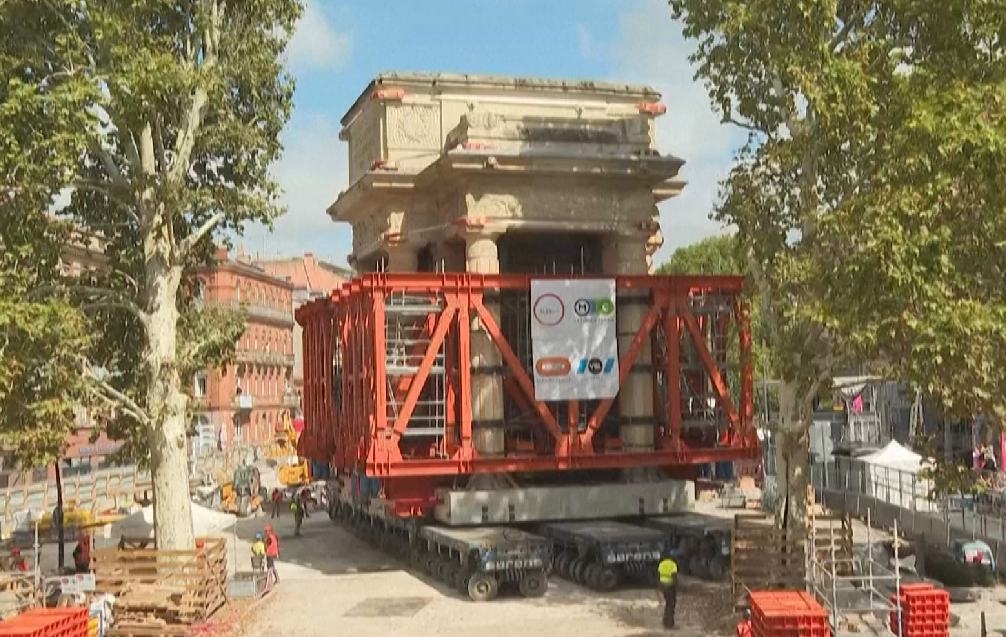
[668, 571]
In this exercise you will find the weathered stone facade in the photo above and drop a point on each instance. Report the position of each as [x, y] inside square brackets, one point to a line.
[448, 165]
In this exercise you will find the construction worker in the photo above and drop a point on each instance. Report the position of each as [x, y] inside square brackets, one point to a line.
[82, 552]
[305, 498]
[277, 499]
[17, 562]
[298, 514]
[667, 570]
[271, 555]
[258, 552]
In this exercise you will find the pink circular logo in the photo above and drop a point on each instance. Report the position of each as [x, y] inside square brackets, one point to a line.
[549, 310]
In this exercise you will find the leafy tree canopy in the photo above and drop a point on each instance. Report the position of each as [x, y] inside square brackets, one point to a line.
[867, 199]
[163, 116]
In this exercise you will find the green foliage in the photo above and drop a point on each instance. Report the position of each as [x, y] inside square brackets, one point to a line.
[41, 342]
[712, 255]
[163, 117]
[868, 199]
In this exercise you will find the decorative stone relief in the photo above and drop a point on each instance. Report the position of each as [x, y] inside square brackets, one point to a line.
[413, 126]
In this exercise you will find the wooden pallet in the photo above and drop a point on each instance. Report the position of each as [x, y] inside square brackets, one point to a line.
[763, 557]
[159, 590]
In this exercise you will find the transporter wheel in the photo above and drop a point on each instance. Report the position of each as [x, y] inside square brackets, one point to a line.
[483, 587]
[607, 578]
[444, 571]
[718, 569]
[461, 581]
[578, 570]
[533, 584]
[430, 564]
[590, 574]
[562, 564]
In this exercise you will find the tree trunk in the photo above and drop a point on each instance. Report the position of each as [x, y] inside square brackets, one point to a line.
[166, 434]
[792, 460]
[60, 534]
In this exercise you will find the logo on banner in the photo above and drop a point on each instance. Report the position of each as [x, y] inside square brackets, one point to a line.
[549, 310]
[553, 366]
[594, 307]
[595, 366]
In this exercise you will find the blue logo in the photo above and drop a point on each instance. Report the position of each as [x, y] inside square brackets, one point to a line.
[595, 366]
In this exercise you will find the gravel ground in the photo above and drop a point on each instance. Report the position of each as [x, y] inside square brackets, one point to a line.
[331, 582]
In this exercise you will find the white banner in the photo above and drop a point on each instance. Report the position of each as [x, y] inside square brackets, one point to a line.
[574, 339]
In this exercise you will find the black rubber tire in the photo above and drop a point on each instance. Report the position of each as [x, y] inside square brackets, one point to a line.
[590, 574]
[430, 565]
[533, 584]
[483, 587]
[607, 578]
[444, 571]
[718, 569]
[461, 581]
[578, 570]
[562, 564]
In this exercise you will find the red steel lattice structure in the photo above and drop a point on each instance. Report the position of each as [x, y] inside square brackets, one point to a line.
[361, 409]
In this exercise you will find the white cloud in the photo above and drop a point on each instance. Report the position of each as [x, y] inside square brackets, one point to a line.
[651, 49]
[316, 43]
[312, 171]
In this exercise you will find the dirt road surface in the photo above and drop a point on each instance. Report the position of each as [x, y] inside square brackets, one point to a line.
[333, 583]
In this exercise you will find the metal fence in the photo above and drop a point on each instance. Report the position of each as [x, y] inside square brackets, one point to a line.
[899, 497]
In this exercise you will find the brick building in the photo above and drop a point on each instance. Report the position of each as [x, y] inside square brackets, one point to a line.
[242, 404]
[311, 278]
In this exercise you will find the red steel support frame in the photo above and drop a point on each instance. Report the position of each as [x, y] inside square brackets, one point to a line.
[361, 436]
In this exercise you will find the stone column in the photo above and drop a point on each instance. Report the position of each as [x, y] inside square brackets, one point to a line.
[627, 254]
[482, 256]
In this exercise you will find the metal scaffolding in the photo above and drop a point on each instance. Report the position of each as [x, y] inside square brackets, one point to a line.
[856, 591]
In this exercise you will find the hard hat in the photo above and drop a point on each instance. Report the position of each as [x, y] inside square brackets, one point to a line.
[258, 536]
[15, 551]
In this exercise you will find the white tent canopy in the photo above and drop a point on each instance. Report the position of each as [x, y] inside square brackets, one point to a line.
[895, 456]
[892, 475]
[205, 522]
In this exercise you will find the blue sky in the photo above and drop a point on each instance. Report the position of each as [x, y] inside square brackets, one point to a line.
[340, 46]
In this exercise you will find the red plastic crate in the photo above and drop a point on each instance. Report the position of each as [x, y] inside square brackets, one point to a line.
[759, 629]
[12, 628]
[744, 629]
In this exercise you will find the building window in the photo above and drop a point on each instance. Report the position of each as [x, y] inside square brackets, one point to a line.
[200, 289]
[199, 389]
[237, 292]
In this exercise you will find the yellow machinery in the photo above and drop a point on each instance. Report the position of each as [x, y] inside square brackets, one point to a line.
[293, 471]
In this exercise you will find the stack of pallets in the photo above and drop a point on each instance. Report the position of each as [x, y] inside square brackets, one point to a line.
[925, 611]
[47, 622]
[787, 614]
[158, 591]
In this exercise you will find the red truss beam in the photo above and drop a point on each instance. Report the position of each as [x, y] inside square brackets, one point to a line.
[355, 429]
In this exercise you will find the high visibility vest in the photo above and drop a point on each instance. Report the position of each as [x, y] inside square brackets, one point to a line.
[668, 571]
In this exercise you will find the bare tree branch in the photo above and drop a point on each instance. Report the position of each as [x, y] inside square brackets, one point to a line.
[110, 166]
[113, 395]
[751, 127]
[190, 241]
[185, 140]
[162, 158]
[106, 298]
[847, 28]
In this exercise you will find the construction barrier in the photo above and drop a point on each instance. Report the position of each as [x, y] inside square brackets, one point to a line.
[48, 622]
[787, 614]
[925, 611]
